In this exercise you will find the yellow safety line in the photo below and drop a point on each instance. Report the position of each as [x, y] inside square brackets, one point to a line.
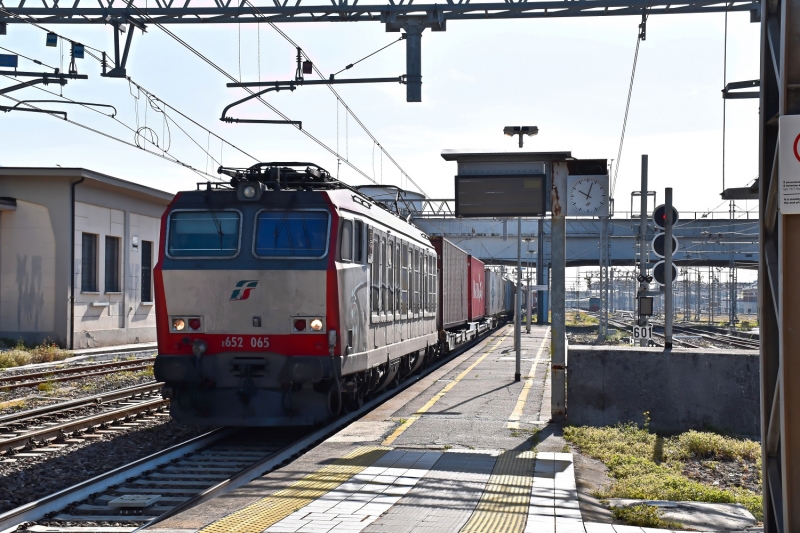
[506, 497]
[262, 514]
[422, 410]
[513, 420]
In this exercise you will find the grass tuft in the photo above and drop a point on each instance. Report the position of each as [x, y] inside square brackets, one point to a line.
[22, 354]
[644, 516]
[649, 467]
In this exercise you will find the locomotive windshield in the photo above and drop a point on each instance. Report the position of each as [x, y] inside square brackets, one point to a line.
[292, 234]
[203, 234]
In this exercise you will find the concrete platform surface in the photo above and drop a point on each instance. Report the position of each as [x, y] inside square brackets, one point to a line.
[455, 452]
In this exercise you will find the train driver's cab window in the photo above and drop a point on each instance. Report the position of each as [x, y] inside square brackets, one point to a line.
[203, 234]
[346, 246]
[292, 234]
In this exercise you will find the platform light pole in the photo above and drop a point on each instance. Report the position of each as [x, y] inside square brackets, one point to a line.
[517, 312]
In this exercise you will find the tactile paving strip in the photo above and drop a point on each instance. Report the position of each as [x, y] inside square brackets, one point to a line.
[262, 514]
[504, 503]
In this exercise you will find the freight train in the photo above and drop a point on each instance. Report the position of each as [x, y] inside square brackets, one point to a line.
[286, 296]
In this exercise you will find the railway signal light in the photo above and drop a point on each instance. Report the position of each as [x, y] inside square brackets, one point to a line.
[658, 244]
[659, 271]
[660, 216]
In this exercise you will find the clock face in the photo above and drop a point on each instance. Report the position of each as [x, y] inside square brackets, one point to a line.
[588, 196]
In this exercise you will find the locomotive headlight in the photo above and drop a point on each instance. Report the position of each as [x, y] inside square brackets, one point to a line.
[316, 324]
[249, 191]
[178, 324]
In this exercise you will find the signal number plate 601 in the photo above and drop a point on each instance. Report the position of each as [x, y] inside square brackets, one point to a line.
[239, 342]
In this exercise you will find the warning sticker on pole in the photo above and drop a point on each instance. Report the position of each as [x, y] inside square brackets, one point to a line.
[789, 164]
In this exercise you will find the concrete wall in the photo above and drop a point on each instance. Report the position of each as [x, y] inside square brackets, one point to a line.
[682, 390]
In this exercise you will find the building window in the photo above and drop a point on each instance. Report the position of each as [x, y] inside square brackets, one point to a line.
[88, 262]
[112, 264]
[147, 271]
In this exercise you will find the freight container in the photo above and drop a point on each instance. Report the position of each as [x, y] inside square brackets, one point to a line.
[453, 283]
[477, 281]
[493, 293]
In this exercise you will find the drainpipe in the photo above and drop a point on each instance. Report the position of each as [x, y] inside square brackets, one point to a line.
[72, 265]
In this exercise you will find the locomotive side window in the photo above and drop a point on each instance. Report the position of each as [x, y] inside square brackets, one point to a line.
[397, 271]
[376, 274]
[416, 281]
[358, 242]
[203, 234]
[384, 282]
[292, 234]
[424, 286]
[404, 279]
[390, 278]
[346, 246]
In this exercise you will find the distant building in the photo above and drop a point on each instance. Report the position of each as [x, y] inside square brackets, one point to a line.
[77, 251]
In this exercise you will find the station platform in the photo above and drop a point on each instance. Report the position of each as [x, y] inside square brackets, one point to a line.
[458, 451]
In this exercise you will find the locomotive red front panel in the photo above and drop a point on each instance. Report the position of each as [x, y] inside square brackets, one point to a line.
[477, 281]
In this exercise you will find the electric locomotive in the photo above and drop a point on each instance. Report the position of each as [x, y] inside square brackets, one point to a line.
[286, 296]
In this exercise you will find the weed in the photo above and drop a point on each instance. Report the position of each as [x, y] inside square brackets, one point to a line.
[447, 447]
[47, 386]
[22, 354]
[644, 516]
[403, 421]
[650, 467]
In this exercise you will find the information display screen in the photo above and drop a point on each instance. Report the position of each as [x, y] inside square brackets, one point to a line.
[522, 195]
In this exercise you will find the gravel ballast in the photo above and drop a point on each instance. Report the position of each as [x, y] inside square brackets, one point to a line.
[25, 479]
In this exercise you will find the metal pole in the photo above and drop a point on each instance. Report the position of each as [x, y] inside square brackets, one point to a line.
[643, 241]
[558, 337]
[517, 311]
[529, 299]
[413, 62]
[541, 306]
[668, 270]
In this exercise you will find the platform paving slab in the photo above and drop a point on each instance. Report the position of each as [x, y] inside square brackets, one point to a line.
[474, 429]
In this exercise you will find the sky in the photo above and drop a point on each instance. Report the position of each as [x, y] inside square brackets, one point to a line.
[569, 77]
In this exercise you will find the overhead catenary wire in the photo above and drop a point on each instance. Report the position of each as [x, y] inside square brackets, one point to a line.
[260, 99]
[170, 158]
[351, 65]
[639, 38]
[151, 97]
[336, 94]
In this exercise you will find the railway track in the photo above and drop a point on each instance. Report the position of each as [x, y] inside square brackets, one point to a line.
[34, 379]
[153, 488]
[708, 336]
[34, 428]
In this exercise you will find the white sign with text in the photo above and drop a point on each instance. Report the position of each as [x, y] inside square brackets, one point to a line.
[789, 164]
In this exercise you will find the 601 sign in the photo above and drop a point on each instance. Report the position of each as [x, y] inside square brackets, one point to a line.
[643, 333]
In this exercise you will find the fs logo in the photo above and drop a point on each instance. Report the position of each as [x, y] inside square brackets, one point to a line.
[242, 290]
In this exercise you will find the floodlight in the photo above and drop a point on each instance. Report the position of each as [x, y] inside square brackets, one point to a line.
[530, 131]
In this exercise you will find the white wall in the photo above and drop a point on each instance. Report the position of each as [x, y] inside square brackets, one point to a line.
[27, 269]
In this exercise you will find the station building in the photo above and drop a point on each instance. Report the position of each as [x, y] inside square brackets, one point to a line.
[77, 251]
